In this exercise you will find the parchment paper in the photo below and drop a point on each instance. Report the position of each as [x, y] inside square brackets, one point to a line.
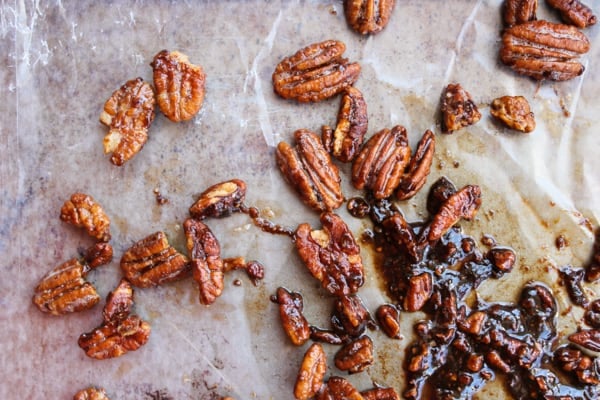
[62, 60]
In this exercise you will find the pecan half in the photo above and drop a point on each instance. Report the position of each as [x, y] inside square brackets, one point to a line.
[91, 393]
[589, 338]
[388, 317]
[338, 388]
[309, 169]
[514, 111]
[381, 162]
[219, 200]
[544, 50]
[179, 85]
[82, 211]
[153, 261]
[331, 255]
[574, 12]
[312, 371]
[402, 234]
[352, 122]
[519, 11]
[418, 169]
[458, 109]
[380, 393]
[462, 204]
[315, 72]
[355, 356]
[128, 113]
[290, 310]
[368, 16]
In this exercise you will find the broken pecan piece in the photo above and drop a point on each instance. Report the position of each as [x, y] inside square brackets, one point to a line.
[350, 316]
[118, 302]
[380, 393]
[179, 85]
[592, 314]
[420, 289]
[219, 200]
[309, 169]
[338, 388]
[589, 338]
[368, 16]
[128, 113]
[574, 12]
[91, 393]
[418, 169]
[388, 317]
[502, 258]
[352, 122]
[355, 356]
[381, 162]
[100, 253]
[462, 204]
[514, 111]
[458, 109]
[519, 11]
[290, 310]
[331, 255]
[315, 72]
[82, 211]
[312, 371]
[153, 261]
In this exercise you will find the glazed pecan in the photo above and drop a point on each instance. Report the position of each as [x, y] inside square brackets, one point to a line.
[355, 356]
[91, 393]
[153, 261]
[402, 234]
[573, 361]
[115, 338]
[458, 109]
[420, 289]
[98, 254]
[592, 314]
[128, 113]
[350, 316]
[82, 211]
[207, 265]
[388, 317]
[503, 259]
[338, 388]
[519, 11]
[315, 72]
[440, 191]
[219, 200]
[592, 269]
[417, 171]
[574, 12]
[352, 122]
[588, 338]
[331, 255]
[118, 302]
[254, 269]
[290, 310]
[368, 16]
[312, 371]
[309, 169]
[380, 393]
[381, 163]
[514, 111]
[179, 85]
[544, 50]
[462, 204]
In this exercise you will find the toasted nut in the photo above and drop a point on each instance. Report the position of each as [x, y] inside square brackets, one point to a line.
[315, 72]
[514, 111]
[368, 16]
[219, 200]
[352, 122]
[592, 269]
[380, 393]
[153, 261]
[355, 356]
[82, 211]
[100, 253]
[574, 12]
[338, 388]
[309, 169]
[325, 336]
[440, 191]
[388, 317]
[350, 316]
[91, 393]
[572, 361]
[381, 162]
[311, 373]
[128, 113]
[398, 230]
[115, 338]
[458, 109]
[572, 279]
[331, 255]
[420, 289]
[473, 324]
[589, 338]
[290, 310]
[592, 314]
[502, 258]
[462, 204]
[418, 169]
[496, 362]
[118, 302]
[179, 85]
[519, 11]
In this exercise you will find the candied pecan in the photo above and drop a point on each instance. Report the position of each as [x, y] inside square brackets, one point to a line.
[207, 265]
[325, 336]
[462, 204]
[519, 11]
[98, 254]
[153, 261]
[388, 317]
[115, 338]
[420, 289]
[338, 388]
[368, 16]
[592, 269]
[514, 111]
[128, 113]
[573, 361]
[309, 169]
[290, 310]
[350, 316]
[503, 259]
[64, 289]
[592, 314]
[473, 324]
[118, 302]
[352, 121]
[381, 162]
[82, 211]
[458, 109]
[574, 12]
[418, 169]
[380, 393]
[91, 393]
[312, 371]
[331, 255]
[219, 200]
[179, 85]
[572, 279]
[544, 50]
[315, 72]
[589, 338]
[355, 356]
[402, 234]
[440, 191]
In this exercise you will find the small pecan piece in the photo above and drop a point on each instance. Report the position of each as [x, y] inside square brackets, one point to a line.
[514, 111]
[355, 356]
[315, 72]
[350, 316]
[439, 192]
[418, 169]
[153, 261]
[128, 113]
[179, 85]
[399, 231]
[312, 371]
[352, 122]
[309, 169]
[118, 302]
[420, 289]
[380, 393]
[592, 269]
[462, 204]
[574, 12]
[368, 16]
[592, 314]
[91, 393]
[100, 253]
[381, 162]
[589, 338]
[331, 255]
[338, 388]
[519, 11]
[388, 317]
[290, 310]
[502, 258]
[82, 211]
[219, 200]
[458, 109]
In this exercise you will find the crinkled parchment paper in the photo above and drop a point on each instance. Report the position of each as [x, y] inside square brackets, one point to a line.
[62, 60]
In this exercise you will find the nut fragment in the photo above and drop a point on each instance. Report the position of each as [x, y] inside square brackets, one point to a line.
[128, 113]
[82, 211]
[592, 314]
[418, 169]
[420, 289]
[315, 72]
[311, 373]
[388, 317]
[574, 12]
[91, 393]
[254, 269]
[355, 356]
[118, 302]
[100, 253]
[502, 258]
[458, 109]
[514, 111]
[153, 261]
[350, 316]
[309, 169]
[179, 85]
[592, 269]
[519, 11]
[380, 393]
[290, 310]
[462, 204]
[368, 16]
[338, 388]
[219, 200]
[589, 338]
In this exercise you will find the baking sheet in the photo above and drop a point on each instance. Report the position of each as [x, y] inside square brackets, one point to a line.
[63, 60]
